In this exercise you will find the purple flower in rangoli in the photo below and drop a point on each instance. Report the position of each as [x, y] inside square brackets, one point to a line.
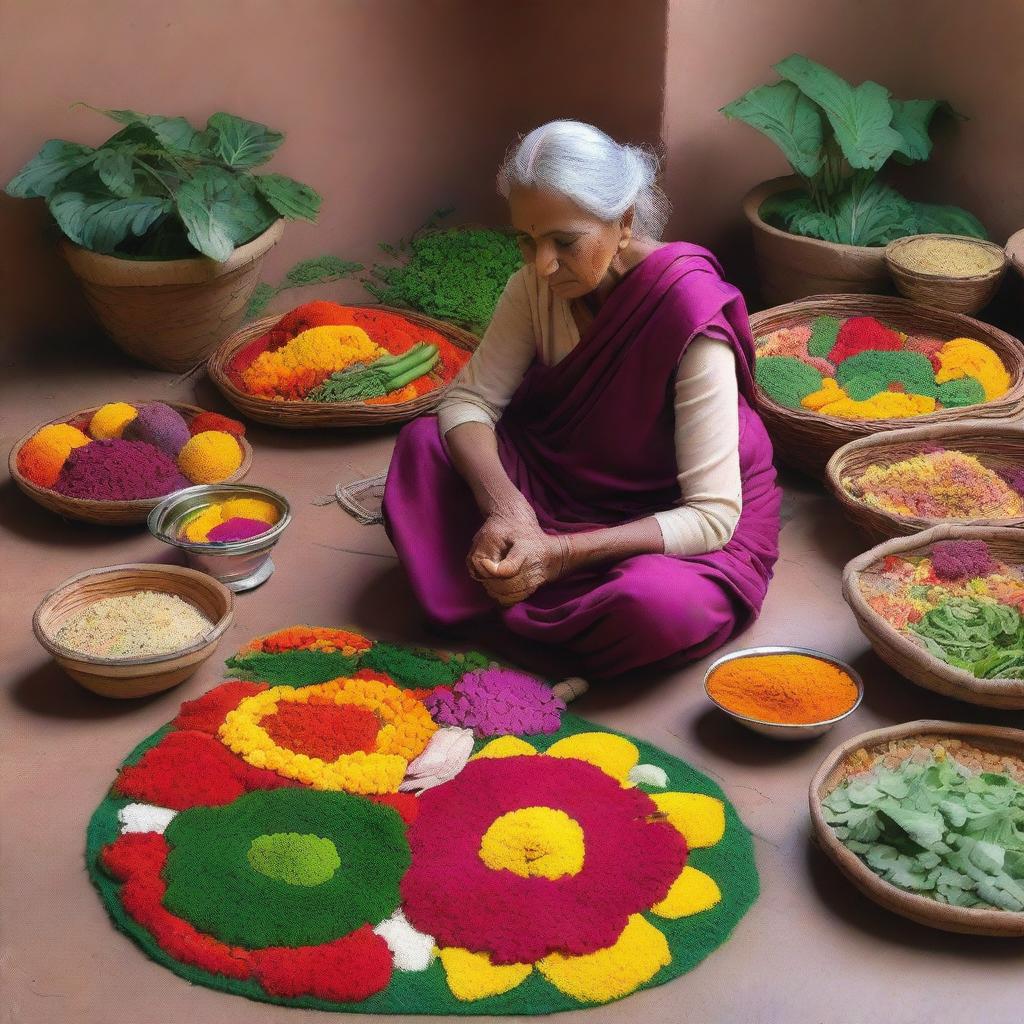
[497, 702]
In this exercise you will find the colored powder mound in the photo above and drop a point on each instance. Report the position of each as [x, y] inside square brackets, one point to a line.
[42, 457]
[824, 332]
[210, 457]
[887, 405]
[215, 421]
[198, 526]
[967, 357]
[863, 334]
[786, 380]
[955, 394]
[786, 341]
[118, 470]
[308, 359]
[110, 420]
[962, 559]
[940, 484]
[829, 392]
[911, 369]
[249, 508]
[237, 528]
[783, 688]
[161, 426]
[865, 385]
[1014, 478]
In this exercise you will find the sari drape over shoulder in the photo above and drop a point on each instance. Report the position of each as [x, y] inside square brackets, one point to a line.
[590, 442]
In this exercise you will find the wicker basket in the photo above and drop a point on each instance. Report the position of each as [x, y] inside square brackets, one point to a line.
[133, 677]
[310, 415]
[929, 912]
[807, 440]
[996, 445]
[912, 660]
[105, 513]
[945, 291]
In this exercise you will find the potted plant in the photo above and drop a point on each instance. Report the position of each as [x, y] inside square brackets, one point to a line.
[825, 228]
[166, 226]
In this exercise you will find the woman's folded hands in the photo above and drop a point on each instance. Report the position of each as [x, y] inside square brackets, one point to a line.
[511, 556]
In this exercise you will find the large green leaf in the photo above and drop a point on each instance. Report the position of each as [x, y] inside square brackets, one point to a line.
[289, 197]
[242, 143]
[795, 212]
[99, 223]
[173, 132]
[54, 162]
[116, 168]
[219, 213]
[783, 113]
[912, 119]
[947, 220]
[861, 117]
[319, 270]
[871, 213]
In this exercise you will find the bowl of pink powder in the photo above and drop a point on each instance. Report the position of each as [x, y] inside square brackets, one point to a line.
[225, 530]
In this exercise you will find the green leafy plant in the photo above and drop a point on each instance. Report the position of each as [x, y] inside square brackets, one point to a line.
[837, 137]
[161, 189]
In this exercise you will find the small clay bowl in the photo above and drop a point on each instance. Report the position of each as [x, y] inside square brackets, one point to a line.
[133, 677]
[785, 730]
[238, 564]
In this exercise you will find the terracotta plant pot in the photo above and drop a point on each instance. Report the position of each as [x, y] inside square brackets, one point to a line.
[791, 267]
[171, 314]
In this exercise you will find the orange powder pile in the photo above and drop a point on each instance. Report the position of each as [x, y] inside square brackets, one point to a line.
[791, 689]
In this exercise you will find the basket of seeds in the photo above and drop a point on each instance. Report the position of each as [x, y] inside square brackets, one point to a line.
[953, 272]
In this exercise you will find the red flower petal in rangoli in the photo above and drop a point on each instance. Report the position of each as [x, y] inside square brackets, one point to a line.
[322, 728]
[215, 776]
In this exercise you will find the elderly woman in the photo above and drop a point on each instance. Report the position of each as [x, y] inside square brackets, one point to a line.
[597, 480]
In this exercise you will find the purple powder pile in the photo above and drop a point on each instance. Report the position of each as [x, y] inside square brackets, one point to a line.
[497, 702]
[161, 426]
[118, 470]
[962, 559]
[237, 528]
[1015, 478]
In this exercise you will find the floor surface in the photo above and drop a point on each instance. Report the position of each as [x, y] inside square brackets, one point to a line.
[811, 950]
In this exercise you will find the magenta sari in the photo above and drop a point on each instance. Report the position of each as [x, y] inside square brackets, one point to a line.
[590, 443]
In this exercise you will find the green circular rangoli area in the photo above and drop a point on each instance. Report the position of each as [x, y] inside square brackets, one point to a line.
[294, 858]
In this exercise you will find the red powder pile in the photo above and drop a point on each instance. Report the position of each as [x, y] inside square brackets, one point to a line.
[118, 470]
[863, 334]
[205, 421]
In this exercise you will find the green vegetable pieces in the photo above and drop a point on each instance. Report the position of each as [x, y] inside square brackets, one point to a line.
[966, 630]
[381, 377]
[934, 828]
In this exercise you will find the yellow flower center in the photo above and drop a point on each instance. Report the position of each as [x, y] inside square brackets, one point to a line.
[534, 842]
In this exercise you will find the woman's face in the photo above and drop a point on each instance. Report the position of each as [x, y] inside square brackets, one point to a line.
[570, 247]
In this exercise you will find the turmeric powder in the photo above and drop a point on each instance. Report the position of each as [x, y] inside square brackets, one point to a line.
[791, 689]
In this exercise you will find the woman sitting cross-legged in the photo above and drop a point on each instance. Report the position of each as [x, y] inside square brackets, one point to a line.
[597, 479]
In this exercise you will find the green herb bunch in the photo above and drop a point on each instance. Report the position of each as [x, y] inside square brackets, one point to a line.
[837, 137]
[161, 189]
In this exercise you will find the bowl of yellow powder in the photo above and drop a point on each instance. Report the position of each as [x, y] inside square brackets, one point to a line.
[954, 272]
[788, 693]
[133, 630]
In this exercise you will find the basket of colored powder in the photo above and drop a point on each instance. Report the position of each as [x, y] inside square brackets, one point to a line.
[787, 693]
[951, 272]
[328, 365]
[945, 608]
[226, 530]
[834, 368]
[133, 630]
[112, 464]
[924, 819]
[902, 481]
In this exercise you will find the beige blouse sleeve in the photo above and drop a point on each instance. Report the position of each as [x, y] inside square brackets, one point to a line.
[707, 451]
[498, 365]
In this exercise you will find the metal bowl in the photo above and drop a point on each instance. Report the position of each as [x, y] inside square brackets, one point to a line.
[238, 564]
[786, 730]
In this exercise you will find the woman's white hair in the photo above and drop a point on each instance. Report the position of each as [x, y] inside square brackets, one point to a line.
[597, 173]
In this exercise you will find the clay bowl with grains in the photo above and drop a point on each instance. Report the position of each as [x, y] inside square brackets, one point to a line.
[133, 630]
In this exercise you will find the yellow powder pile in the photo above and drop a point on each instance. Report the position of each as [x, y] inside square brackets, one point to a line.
[946, 257]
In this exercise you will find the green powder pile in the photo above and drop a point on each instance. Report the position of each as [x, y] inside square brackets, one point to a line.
[420, 669]
[824, 331]
[456, 275]
[960, 392]
[292, 668]
[786, 380]
[911, 369]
